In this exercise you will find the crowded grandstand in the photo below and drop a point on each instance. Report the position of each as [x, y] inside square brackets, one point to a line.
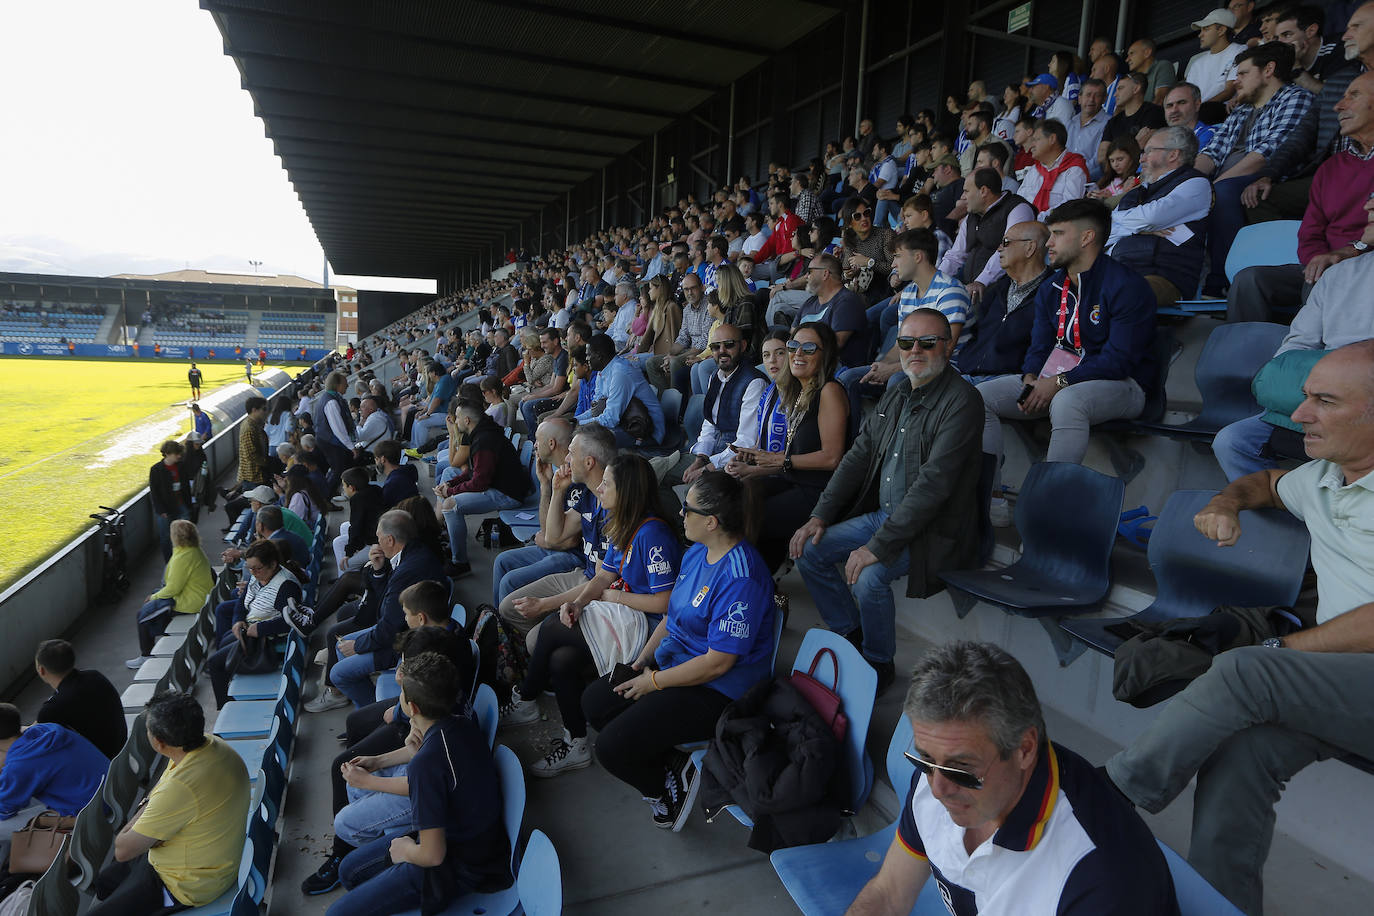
[795, 514]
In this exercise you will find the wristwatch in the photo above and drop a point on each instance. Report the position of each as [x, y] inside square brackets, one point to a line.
[1062, 381]
[1273, 642]
[787, 464]
[1360, 245]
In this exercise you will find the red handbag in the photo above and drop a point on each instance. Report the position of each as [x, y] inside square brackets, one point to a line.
[823, 699]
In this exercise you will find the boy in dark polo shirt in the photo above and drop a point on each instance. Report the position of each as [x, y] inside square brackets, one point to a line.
[461, 845]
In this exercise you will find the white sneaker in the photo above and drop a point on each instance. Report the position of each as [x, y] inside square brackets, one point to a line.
[999, 513]
[329, 698]
[566, 753]
[519, 711]
[136, 663]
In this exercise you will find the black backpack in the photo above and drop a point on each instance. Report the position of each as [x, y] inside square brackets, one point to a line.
[502, 659]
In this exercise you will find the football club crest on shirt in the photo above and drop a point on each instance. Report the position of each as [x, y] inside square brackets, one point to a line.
[1095, 316]
[701, 596]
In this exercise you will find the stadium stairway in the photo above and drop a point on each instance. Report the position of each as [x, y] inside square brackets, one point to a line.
[251, 331]
[708, 865]
[109, 333]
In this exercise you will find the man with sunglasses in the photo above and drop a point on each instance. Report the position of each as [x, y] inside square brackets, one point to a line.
[731, 404]
[900, 499]
[1003, 819]
[1091, 357]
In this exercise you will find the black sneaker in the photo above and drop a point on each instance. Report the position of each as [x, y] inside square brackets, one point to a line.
[324, 880]
[887, 674]
[457, 570]
[300, 619]
[668, 808]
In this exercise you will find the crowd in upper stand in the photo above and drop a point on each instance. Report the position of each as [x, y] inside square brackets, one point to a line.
[848, 339]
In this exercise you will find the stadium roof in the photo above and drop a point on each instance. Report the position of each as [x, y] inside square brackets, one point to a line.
[414, 133]
[235, 279]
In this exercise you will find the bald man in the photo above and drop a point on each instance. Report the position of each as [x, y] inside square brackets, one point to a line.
[1263, 713]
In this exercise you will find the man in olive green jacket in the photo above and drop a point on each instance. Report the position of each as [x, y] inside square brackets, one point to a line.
[903, 500]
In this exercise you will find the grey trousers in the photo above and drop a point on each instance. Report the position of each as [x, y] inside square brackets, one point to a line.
[547, 587]
[1257, 291]
[1256, 718]
[1072, 412]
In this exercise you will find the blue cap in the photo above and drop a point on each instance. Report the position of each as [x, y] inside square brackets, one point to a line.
[1044, 79]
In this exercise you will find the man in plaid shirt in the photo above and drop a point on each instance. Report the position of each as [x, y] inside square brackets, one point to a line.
[1270, 110]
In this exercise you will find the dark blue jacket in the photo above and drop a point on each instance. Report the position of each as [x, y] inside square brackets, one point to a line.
[418, 564]
[1116, 324]
[400, 484]
[999, 341]
[295, 544]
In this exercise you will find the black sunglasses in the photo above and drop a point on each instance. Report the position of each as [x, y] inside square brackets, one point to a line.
[929, 342]
[694, 511]
[962, 778]
[807, 348]
[719, 345]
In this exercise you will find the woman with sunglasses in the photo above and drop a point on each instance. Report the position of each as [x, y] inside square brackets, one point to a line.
[257, 612]
[714, 644]
[802, 435]
[867, 248]
[607, 620]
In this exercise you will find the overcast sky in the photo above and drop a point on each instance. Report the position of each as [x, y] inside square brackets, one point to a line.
[129, 147]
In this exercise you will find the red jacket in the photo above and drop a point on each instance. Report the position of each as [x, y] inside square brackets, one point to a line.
[780, 242]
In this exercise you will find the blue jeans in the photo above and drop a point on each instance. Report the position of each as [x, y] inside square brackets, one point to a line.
[465, 504]
[1240, 447]
[531, 410]
[153, 618]
[441, 457]
[353, 675]
[887, 213]
[419, 430]
[164, 530]
[701, 375]
[519, 567]
[374, 884]
[224, 618]
[1227, 218]
[370, 815]
[822, 569]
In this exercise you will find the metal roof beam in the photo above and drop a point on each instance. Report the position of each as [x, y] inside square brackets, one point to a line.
[638, 28]
[354, 102]
[450, 46]
[604, 155]
[446, 82]
[406, 185]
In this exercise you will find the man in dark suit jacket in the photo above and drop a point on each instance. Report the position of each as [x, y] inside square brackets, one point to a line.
[398, 560]
[85, 701]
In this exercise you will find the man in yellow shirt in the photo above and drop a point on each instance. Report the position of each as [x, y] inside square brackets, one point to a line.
[181, 848]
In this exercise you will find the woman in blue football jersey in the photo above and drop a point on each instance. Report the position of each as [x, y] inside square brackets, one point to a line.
[715, 643]
[608, 619]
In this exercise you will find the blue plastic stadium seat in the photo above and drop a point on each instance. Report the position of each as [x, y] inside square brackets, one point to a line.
[1193, 575]
[1067, 517]
[1259, 245]
[487, 712]
[541, 879]
[1234, 352]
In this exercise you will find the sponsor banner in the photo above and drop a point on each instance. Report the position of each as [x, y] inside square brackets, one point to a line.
[107, 351]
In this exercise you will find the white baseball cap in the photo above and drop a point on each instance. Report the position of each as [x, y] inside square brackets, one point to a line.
[1216, 17]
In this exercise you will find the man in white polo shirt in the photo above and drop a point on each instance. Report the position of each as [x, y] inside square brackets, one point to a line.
[1004, 820]
[1262, 713]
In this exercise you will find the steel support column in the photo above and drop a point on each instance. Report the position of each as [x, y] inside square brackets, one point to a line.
[730, 134]
[862, 69]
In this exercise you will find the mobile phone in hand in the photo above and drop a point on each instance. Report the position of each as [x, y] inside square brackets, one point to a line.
[622, 673]
[1025, 393]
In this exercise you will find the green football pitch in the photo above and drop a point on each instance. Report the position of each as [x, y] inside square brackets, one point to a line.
[75, 434]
